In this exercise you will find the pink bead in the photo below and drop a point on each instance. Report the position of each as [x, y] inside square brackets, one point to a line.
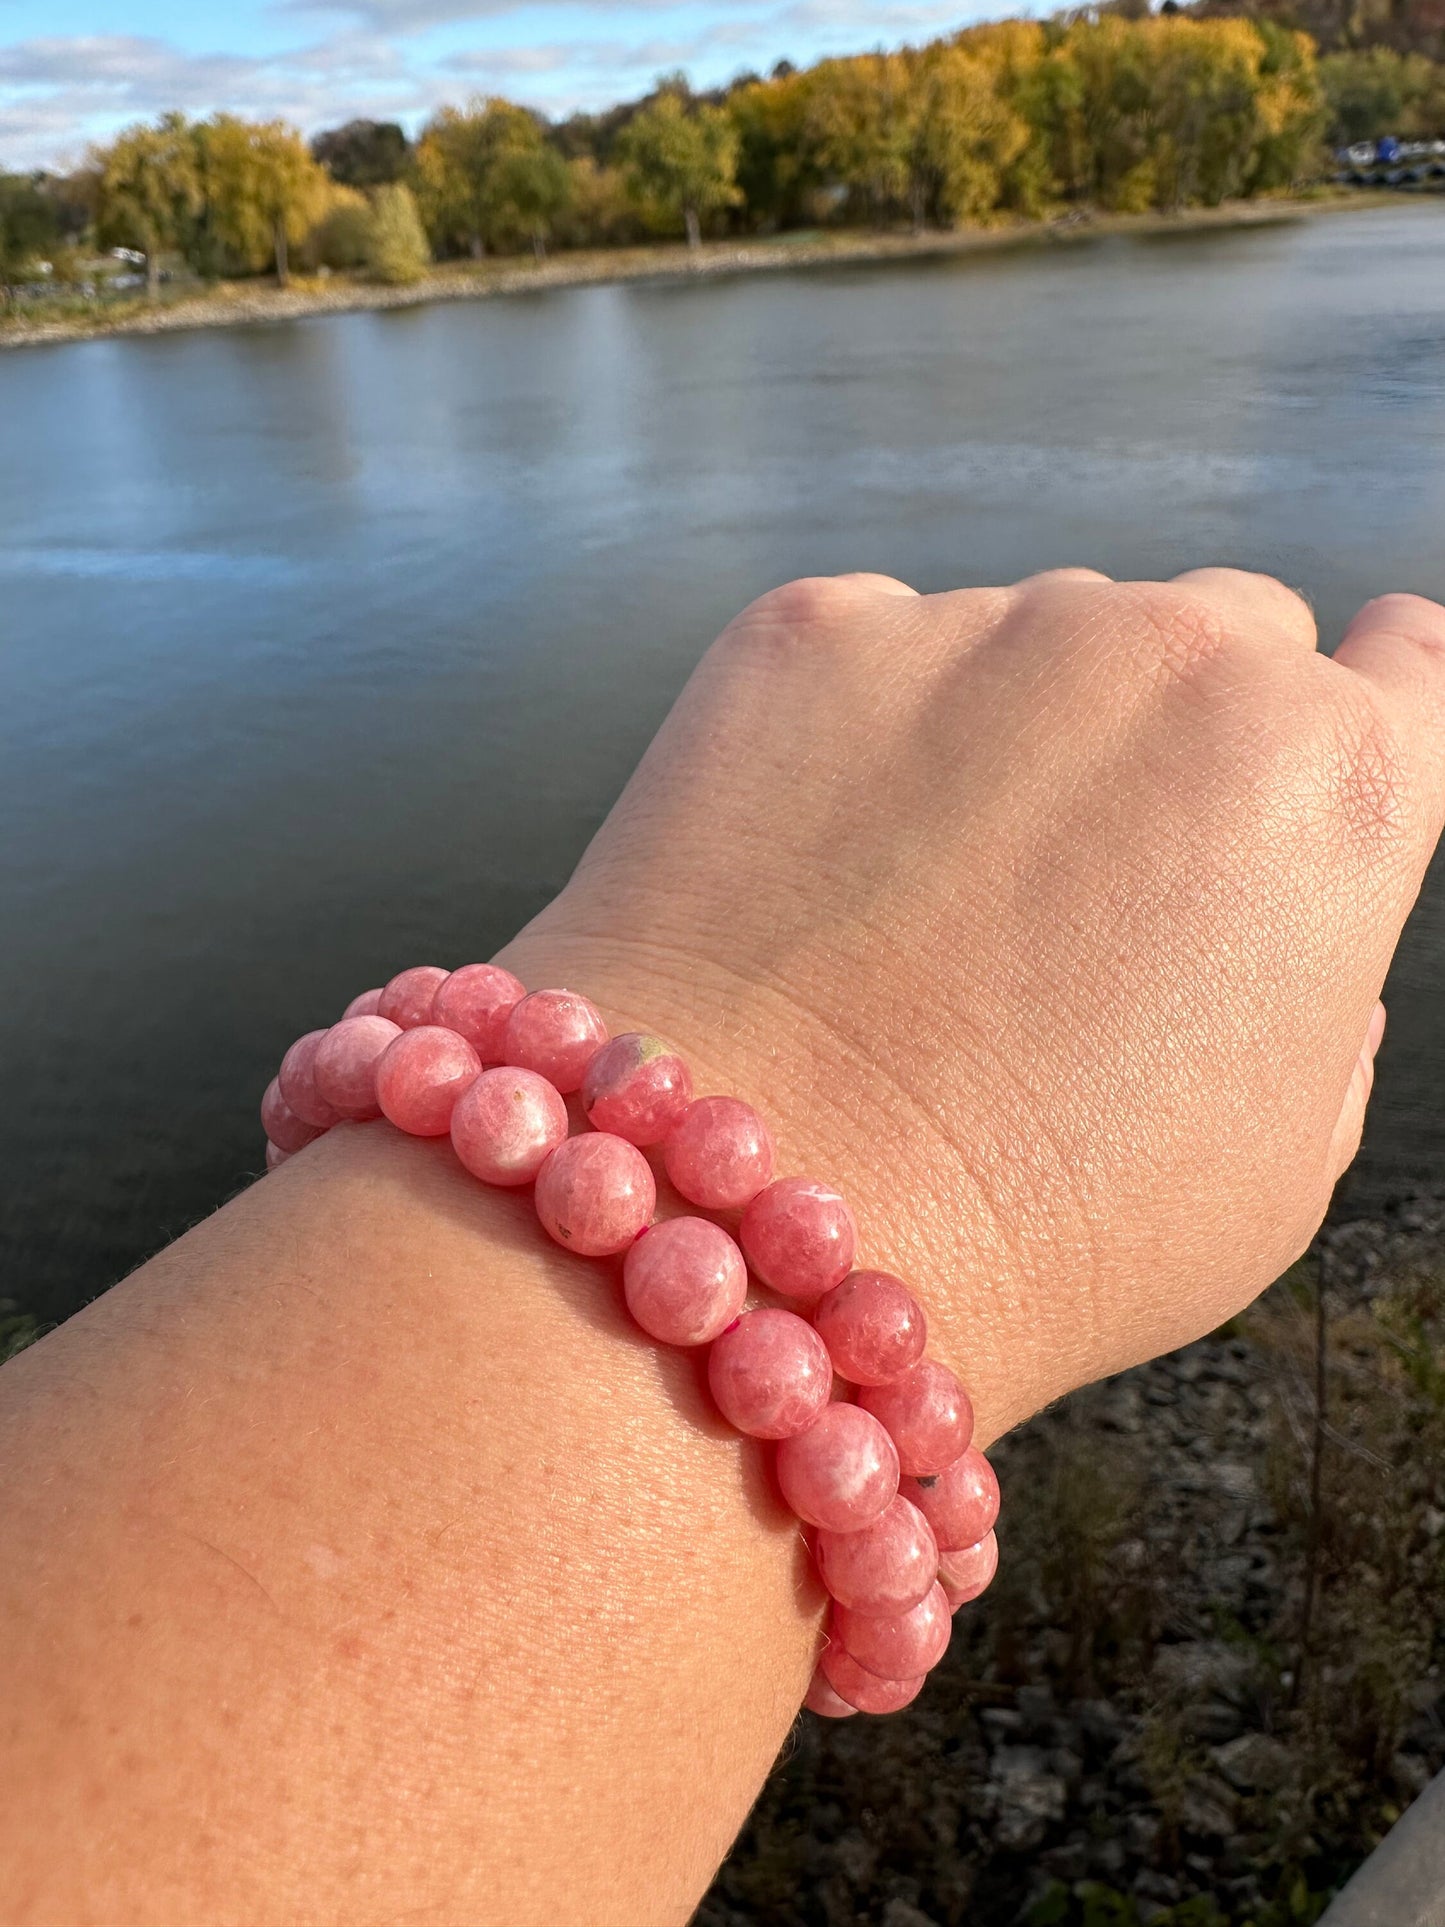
[407, 999]
[476, 1002]
[280, 1123]
[964, 1573]
[297, 1078]
[770, 1374]
[961, 1502]
[799, 1237]
[345, 1069]
[596, 1194]
[637, 1088]
[886, 1568]
[419, 1077]
[368, 1004]
[685, 1281]
[842, 1472]
[897, 1645]
[873, 1326]
[823, 1700]
[275, 1157]
[856, 1686]
[557, 1034]
[928, 1414]
[720, 1154]
[506, 1124]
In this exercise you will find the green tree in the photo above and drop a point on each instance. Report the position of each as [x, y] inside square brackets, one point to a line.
[533, 185]
[681, 160]
[484, 178]
[149, 191]
[264, 191]
[28, 230]
[396, 250]
[1377, 92]
[364, 153]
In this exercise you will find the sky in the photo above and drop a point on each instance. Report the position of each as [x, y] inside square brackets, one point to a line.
[72, 71]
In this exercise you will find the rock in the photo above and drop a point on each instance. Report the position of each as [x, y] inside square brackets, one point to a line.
[1254, 1763]
[1209, 1808]
[903, 1913]
[1029, 1799]
[1215, 1720]
[1203, 1669]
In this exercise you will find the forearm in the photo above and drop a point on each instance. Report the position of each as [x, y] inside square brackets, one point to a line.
[364, 1563]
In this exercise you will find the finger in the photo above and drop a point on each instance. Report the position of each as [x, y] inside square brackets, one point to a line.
[1345, 1143]
[1397, 644]
[1255, 602]
[1350, 1126]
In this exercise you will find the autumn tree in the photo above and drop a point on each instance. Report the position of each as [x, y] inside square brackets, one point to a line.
[264, 191]
[149, 191]
[486, 177]
[396, 249]
[680, 160]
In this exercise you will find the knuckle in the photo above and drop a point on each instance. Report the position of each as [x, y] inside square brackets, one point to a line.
[1366, 771]
[803, 607]
[1179, 634]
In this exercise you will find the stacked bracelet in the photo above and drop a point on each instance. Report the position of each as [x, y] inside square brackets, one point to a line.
[901, 1506]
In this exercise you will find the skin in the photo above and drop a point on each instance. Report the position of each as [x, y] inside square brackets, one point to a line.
[363, 1567]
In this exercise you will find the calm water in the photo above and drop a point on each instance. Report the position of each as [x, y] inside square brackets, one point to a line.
[323, 647]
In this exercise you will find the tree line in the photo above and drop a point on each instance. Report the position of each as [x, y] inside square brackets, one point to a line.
[1116, 108]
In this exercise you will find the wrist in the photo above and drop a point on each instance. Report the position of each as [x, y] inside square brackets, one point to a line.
[839, 1114]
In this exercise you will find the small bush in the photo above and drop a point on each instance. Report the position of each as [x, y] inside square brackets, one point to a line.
[397, 251]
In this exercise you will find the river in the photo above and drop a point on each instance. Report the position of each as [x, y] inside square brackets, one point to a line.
[324, 645]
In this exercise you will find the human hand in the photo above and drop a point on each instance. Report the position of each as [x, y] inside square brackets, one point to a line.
[1049, 922]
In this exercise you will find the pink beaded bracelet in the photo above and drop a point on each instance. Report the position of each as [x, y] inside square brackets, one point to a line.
[872, 1438]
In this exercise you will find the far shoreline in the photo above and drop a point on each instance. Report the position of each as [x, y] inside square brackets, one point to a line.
[234, 304]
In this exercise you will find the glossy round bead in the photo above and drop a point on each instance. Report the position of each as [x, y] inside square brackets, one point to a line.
[555, 1033]
[823, 1700]
[684, 1281]
[476, 1002]
[367, 1004]
[506, 1124]
[770, 1374]
[719, 1154]
[867, 1691]
[842, 1472]
[282, 1126]
[419, 1077]
[596, 1194]
[799, 1237]
[873, 1326]
[275, 1156]
[928, 1414]
[637, 1088]
[897, 1645]
[886, 1568]
[297, 1078]
[961, 1502]
[966, 1571]
[346, 1064]
[407, 999]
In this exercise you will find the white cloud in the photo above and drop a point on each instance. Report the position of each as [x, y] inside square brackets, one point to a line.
[57, 93]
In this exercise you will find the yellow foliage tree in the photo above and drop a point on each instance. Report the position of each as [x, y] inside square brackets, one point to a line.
[264, 191]
[149, 191]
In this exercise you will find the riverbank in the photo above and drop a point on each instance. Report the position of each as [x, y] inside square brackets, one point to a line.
[228, 304]
[1156, 1717]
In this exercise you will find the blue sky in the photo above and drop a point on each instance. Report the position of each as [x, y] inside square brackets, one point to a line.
[71, 71]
